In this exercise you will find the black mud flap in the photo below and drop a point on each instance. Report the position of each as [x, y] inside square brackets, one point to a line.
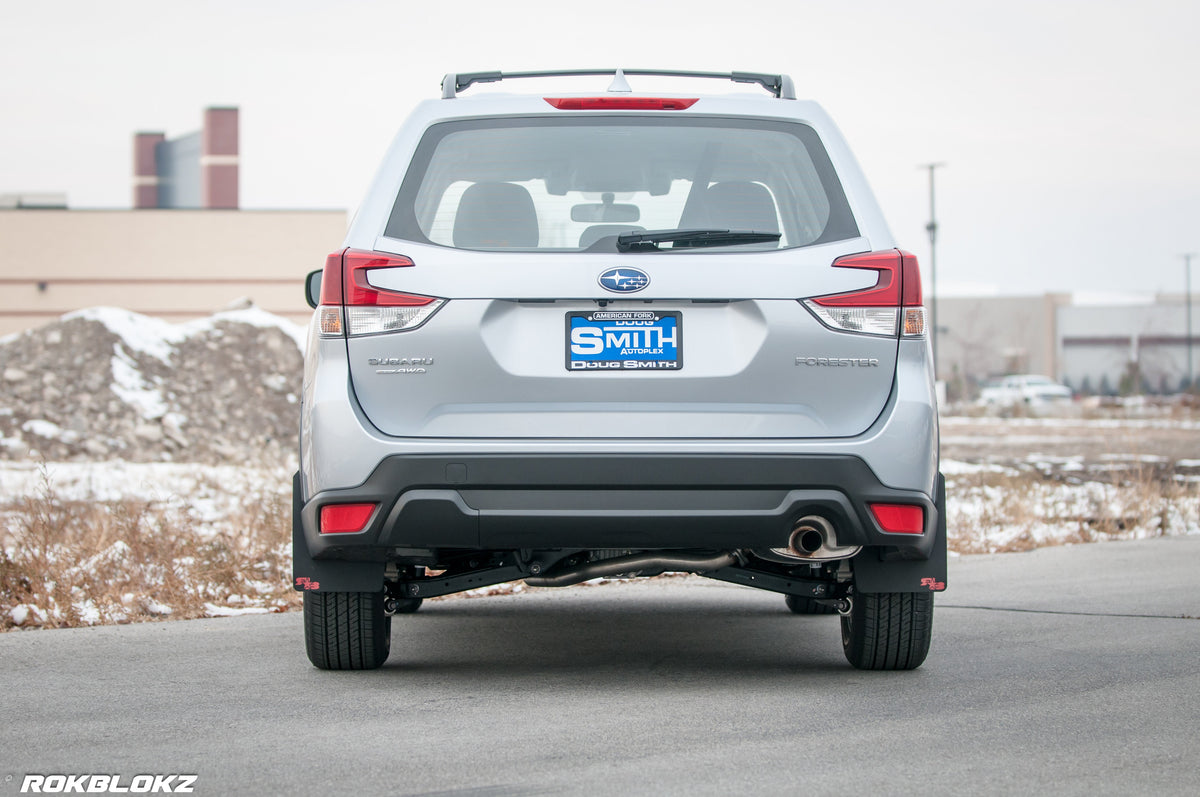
[310, 575]
[875, 572]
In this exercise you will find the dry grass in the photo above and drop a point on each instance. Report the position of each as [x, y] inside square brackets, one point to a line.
[1011, 510]
[67, 563]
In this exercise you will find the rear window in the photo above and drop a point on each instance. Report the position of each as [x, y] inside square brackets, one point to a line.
[573, 184]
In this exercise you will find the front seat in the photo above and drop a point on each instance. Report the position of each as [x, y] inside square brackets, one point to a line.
[496, 216]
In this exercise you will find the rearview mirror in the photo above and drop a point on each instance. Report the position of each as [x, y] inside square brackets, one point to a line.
[605, 213]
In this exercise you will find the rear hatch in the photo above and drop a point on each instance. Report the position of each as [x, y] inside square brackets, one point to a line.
[519, 288]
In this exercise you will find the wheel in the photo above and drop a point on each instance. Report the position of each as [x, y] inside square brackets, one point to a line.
[888, 630]
[802, 605]
[346, 630]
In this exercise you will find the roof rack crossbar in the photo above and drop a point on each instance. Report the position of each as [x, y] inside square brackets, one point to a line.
[779, 85]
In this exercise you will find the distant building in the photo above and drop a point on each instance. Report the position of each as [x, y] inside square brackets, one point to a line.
[1126, 348]
[184, 251]
[986, 336]
[32, 201]
[172, 264]
[1093, 344]
[198, 170]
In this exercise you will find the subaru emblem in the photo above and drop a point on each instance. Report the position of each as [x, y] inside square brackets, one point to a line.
[624, 280]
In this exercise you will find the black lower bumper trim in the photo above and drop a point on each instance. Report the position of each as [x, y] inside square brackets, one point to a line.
[504, 502]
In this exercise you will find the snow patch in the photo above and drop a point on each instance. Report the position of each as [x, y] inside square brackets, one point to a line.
[23, 612]
[255, 317]
[116, 553]
[212, 610]
[128, 385]
[158, 338]
[153, 607]
[139, 333]
[955, 467]
[51, 431]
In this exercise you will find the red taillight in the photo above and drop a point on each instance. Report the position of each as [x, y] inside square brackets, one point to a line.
[331, 280]
[621, 103]
[898, 284]
[357, 292]
[345, 518]
[899, 518]
[910, 280]
[351, 305]
[345, 281]
[895, 298]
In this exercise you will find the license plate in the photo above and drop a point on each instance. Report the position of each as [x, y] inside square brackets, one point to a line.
[625, 340]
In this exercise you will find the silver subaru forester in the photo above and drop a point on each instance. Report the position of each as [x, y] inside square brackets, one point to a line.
[617, 333]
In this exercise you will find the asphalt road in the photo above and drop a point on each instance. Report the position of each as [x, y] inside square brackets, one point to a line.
[1066, 671]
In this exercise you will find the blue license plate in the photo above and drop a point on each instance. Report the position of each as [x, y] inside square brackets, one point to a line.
[625, 340]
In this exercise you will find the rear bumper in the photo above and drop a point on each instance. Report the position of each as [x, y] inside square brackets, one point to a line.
[647, 501]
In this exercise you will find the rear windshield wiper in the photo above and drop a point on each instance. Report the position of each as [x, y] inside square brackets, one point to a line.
[649, 240]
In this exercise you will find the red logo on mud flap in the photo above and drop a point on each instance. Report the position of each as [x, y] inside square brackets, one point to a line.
[933, 584]
[303, 582]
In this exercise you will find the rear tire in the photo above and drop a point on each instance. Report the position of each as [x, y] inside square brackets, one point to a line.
[346, 630]
[888, 630]
[802, 605]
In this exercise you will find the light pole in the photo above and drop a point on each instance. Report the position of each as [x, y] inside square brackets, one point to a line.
[931, 228]
[1187, 303]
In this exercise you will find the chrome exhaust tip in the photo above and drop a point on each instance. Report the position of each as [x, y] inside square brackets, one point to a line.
[815, 539]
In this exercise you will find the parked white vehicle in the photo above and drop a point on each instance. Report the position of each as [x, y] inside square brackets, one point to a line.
[1029, 389]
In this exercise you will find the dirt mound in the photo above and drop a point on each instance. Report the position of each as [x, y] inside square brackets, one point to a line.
[106, 383]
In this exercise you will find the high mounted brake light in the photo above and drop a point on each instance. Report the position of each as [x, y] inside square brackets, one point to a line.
[621, 103]
[346, 292]
[875, 310]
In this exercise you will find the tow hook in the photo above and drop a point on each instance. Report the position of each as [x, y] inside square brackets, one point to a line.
[843, 606]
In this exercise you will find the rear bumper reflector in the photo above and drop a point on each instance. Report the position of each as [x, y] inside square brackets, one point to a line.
[899, 518]
[345, 518]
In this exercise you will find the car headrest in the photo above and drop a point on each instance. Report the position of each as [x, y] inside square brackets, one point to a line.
[734, 206]
[496, 216]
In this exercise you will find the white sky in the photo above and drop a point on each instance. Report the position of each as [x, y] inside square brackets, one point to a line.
[1070, 129]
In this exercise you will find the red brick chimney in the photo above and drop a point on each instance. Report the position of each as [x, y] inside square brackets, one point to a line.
[219, 159]
[145, 170]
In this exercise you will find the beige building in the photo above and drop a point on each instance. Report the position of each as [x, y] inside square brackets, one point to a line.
[1095, 344]
[172, 264]
[981, 337]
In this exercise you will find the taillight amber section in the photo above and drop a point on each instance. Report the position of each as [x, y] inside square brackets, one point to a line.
[914, 322]
[330, 319]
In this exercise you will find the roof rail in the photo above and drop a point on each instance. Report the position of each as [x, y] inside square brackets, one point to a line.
[779, 85]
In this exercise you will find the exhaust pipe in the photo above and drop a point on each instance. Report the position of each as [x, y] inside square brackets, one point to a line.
[644, 564]
[814, 538]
